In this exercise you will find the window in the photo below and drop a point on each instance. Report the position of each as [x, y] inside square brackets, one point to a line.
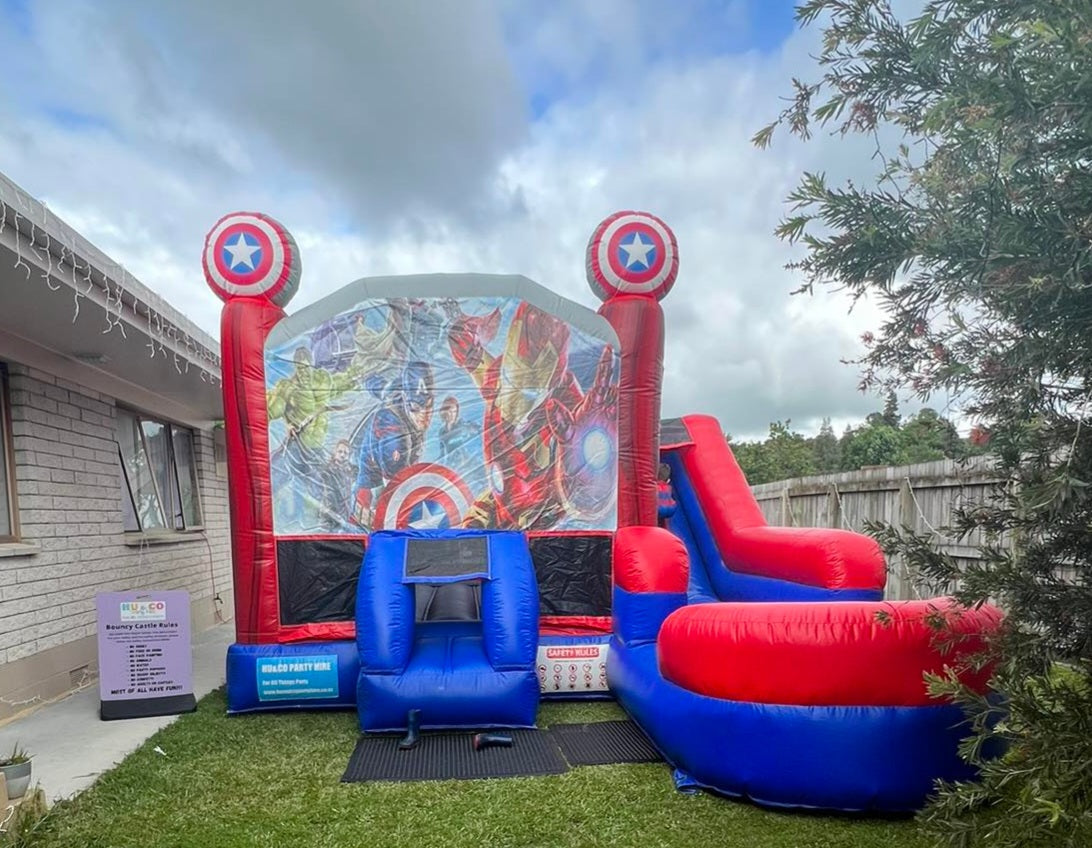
[159, 471]
[9, 515]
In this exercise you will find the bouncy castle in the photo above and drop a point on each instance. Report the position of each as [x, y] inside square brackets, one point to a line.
[453, 494]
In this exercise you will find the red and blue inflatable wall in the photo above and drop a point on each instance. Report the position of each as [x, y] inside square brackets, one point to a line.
[423, 402]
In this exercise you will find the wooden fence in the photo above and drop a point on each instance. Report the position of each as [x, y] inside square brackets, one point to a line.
[921, 497]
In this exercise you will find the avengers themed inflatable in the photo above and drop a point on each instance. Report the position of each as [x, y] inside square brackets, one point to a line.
[452, 495]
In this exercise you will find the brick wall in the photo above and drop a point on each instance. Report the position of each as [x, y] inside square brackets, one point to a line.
[69, 489]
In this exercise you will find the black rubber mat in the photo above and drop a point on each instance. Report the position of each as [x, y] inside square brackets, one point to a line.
[604, 742]
[451, 756]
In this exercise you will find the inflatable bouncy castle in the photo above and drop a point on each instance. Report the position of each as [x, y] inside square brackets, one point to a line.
[452, 495]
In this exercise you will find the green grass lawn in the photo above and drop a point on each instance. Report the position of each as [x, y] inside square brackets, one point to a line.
[272, 780]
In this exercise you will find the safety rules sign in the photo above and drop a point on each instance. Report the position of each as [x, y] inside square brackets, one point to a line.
[145, 663]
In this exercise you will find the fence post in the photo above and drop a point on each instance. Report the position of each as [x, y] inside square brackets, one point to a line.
[908, 515]
[786, 508]
[834, 506]
[899, 569]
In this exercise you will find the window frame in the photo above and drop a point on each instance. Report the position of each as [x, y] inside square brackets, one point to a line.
[167, 507]
[195, 478]
[7, 446]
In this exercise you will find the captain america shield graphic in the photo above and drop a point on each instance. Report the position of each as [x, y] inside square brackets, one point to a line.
[251, 255]
[632, 253]
[424, 496]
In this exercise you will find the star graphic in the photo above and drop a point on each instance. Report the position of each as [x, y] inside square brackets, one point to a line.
[242, 253]
[432, 518]
[637, 250]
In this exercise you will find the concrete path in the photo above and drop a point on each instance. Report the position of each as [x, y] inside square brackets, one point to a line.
[71, 746]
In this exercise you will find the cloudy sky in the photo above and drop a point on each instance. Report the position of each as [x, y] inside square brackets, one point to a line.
[434, 135]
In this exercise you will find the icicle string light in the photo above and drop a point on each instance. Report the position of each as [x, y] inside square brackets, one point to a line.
[18, 254]
[56, 255]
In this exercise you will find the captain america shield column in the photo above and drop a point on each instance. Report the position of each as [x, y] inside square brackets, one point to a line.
[632, 261]
[252, 264]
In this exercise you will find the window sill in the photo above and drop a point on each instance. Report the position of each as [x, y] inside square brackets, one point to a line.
[165, 537]
[17, 549]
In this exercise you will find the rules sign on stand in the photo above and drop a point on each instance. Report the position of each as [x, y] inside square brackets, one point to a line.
[145, 663]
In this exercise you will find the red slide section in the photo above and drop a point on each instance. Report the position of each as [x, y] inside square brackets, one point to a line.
[823, 654]
[833, 559]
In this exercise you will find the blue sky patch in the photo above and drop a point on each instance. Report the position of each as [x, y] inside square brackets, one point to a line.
[16, 13]
[691, 32]
[73, 119]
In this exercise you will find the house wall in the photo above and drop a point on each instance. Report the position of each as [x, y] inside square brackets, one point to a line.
[73, 545]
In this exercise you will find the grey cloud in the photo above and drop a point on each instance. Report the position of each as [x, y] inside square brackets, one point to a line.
[393, 108]
[762, 369]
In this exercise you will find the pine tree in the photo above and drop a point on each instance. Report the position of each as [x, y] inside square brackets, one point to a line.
[891, 415]
[976, 238]
[828, 453]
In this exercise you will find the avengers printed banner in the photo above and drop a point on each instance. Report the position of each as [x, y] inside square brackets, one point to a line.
[485, 412]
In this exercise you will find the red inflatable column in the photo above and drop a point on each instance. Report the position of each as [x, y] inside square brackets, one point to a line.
[632, 262]
[252, 263]
[639, 323]
[244, 325]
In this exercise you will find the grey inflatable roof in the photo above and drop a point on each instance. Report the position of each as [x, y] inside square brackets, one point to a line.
[437, 286]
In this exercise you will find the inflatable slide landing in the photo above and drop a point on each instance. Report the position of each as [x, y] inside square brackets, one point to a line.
[734, 554]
